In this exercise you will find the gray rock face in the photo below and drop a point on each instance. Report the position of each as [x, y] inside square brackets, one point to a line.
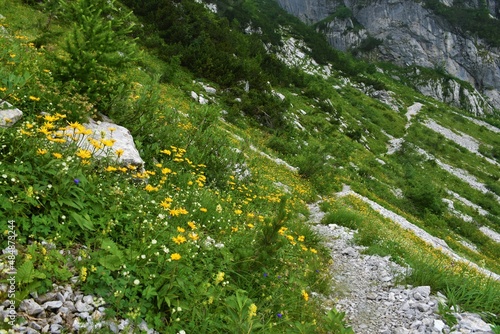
[410, 35]
[309, 11]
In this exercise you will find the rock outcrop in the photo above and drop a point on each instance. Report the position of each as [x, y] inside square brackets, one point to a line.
[407, 33]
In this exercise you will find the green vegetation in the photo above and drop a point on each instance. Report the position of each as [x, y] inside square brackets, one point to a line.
[209, 236]
[475, 20]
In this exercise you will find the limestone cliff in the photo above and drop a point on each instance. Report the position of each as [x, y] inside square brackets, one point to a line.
[408, 32]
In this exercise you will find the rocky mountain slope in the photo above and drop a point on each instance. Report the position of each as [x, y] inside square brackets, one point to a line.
[412, 33]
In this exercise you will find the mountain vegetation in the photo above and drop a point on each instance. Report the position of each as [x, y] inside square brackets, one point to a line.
[212, 235]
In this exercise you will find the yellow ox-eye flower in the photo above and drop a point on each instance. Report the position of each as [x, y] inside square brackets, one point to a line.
[34, 98]
[167, 152]
[95, 143]
[175, 256]
[110, 169]
[108, 142]
[119, 152]
[179, 239]
[41, 151]
[193, 236]
[166, 203]
[150, 188]
[50, 118]
[57, 155]
[192, 225]
[84, 154]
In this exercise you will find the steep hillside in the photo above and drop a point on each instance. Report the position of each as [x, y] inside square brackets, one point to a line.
[458, 37]
[244, 120]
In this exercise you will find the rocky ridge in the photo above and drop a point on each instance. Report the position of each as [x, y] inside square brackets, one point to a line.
[408, 33]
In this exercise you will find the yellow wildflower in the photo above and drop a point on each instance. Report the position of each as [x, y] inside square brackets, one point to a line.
[193, 236]
[166, 203]
[178, 212]
[48, 118]
[110, 169]
[150, 188]
[84, 154]
[108, 142]
[3, 89]
[180, 229]
[34, 98]
[119, 152]
[175, 256]
[192, 225]
[203, 210]
[41, 151]
[167, 152]
[179, 239]
[57, 155]
[83, 274]
[252, 311]
[301, 238]
[238, 211]
[305, 295]
[219, 277]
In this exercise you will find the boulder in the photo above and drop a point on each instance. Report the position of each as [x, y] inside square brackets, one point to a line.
[9, 115]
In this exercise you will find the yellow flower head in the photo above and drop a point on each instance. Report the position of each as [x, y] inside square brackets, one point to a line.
[175, 256]
[166, 203]
[219, 277]
[179, 239]
[119, 152]
[192, 225]
[84, 154]
[108, 142]
[41, 151]
[252, 311]
[305, 295]
[57, 155]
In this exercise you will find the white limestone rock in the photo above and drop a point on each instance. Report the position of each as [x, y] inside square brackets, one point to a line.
[9, 115]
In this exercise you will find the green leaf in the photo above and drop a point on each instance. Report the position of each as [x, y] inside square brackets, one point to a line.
[149, 292]
[25, 273]
[111, 247]
[111, 262]
[70, 203]
[83, 221]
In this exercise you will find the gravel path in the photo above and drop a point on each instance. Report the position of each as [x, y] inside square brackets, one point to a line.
[366, 291]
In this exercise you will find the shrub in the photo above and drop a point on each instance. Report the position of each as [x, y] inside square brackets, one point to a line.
[96, 47]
